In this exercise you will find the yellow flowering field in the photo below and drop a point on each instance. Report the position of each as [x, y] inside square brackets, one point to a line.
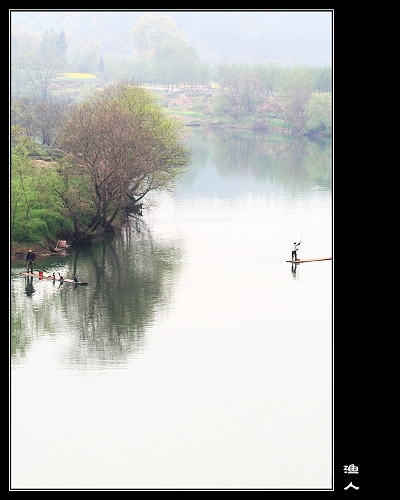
[78, 75]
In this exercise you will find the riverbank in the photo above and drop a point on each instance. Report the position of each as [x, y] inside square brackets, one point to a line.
[248, 124]
[18, 252]
[197, 111]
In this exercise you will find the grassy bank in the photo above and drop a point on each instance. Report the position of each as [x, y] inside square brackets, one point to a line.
[190, 109]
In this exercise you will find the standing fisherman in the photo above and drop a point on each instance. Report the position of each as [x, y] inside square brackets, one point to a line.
[30, 259]
[295, 249]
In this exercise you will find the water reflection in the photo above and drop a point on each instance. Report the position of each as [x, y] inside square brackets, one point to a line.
[29, 289]
[289, 161]
[131, 279]
[295, 273]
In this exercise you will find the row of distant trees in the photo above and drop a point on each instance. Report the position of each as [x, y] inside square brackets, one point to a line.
[239, 94]
[162, 55]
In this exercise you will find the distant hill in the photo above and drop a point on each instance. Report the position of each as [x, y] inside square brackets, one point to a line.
[252, 37]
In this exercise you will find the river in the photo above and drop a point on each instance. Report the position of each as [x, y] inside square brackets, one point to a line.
[196, 357]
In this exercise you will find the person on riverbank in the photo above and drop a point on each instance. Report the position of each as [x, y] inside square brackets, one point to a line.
[30, 259]
[295, 248]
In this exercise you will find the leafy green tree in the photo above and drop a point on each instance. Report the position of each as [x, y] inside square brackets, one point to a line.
[36, 61]
[43, 66]
[164, 46]
[174, 62]
[318, 111]
[152, 32]
[268, 76]
[87, 59]
[323, 79]
[123, 143]
[295, 89]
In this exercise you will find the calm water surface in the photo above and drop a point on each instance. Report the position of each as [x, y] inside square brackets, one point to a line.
[196, 357]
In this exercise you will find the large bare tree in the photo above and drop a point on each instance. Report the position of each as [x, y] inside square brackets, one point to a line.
[124, 146]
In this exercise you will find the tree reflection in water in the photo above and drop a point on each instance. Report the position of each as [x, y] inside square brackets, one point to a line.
[131, 279]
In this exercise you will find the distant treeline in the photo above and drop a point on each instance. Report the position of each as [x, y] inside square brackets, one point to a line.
[158, 52]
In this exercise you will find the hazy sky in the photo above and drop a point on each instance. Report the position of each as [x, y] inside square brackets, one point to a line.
[290, 37]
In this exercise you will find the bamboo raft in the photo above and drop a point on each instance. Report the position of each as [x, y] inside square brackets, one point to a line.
[49, 276]
[300, 261]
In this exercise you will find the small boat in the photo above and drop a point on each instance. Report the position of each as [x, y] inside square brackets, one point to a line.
[53, 277]
[308, 260]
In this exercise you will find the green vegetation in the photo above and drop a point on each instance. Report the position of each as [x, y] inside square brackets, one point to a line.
[318, 112]
[36, 213]
[119, 145]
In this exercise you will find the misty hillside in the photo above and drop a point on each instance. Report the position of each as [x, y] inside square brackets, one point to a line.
[285, 37]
